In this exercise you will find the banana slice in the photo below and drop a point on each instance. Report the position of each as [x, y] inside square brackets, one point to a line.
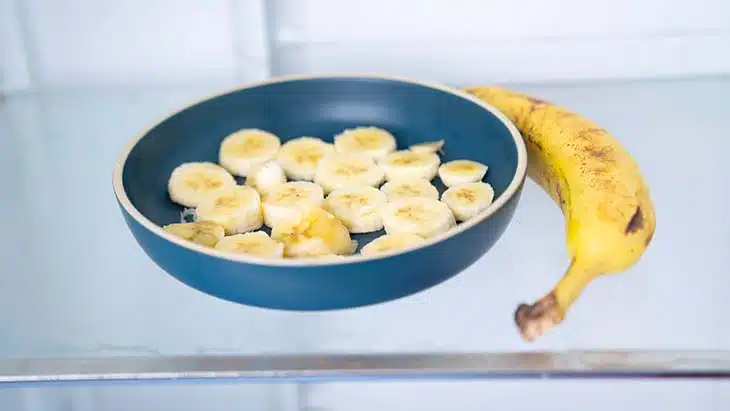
[190, 182]
[424, 217]
[314, 232]
[373, 142]
[257, 243]
[205, 233]
[244, 149]
[428, 147]
[408, 164]
[358, 208]
[414, 187]
[391, 242]
[299, 157]
[459, 172]
[466, 200]
[237, 209]
[266, 176]
[337, 171]
[287, 200]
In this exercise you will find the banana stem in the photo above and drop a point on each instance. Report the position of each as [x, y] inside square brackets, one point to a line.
[536, 319]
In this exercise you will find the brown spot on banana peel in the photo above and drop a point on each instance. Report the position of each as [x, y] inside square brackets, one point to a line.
[535, 104]
[649, 238]
[636, 223]
[536, 101]
[604, 153]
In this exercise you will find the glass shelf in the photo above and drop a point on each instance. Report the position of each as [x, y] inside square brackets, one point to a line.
[337, 367]
[80, 301]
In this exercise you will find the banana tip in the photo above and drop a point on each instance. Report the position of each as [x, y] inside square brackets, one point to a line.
[537, 319]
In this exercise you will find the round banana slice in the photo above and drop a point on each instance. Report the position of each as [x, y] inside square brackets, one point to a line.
[238, 210]
[428, 147]
[391, 242]
[244, 149]
[287, 200]
[358, 208]
[347, 170]
[265, 176]
[299, 157]
[458, 172]
[205, 233]
[466, 200]
[413, 187]
[257, 243]
[373, 142]
[424, 217]
[314, 232]
[189, 183]
[408, 164]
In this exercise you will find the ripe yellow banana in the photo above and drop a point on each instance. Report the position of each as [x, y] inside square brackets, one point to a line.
[609, 215]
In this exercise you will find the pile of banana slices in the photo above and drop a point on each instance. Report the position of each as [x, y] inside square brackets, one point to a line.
[315, 195]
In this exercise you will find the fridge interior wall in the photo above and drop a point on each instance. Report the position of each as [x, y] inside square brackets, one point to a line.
[49, 43]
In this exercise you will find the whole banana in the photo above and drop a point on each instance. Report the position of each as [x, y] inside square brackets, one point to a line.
[609, 215]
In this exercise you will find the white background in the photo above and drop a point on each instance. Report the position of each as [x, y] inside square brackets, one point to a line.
[67, 43]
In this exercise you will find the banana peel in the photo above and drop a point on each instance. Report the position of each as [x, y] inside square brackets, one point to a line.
[609, 215]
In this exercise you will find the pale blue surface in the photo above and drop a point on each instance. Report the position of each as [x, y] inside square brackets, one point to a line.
[675, 298]
[75, 283]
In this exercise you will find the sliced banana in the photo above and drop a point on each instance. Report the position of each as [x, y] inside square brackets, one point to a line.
[458, 172]
[424, 217]
[237, 209]
[413, 187]
[358, 208]
[257, 244]
[314, 232]
[287, 200]
[391, 242]
[190, 182]
[428, 147]
[244, 149]
[205, 233]
[347, 170]
[374, 142]
[299, 157]
[466, 200]
[408, 164]
[266, 176]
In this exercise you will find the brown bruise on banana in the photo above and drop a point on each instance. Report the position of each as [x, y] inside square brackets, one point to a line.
[636, 223]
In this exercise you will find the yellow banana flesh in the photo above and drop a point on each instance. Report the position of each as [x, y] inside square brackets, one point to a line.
[609, 215]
